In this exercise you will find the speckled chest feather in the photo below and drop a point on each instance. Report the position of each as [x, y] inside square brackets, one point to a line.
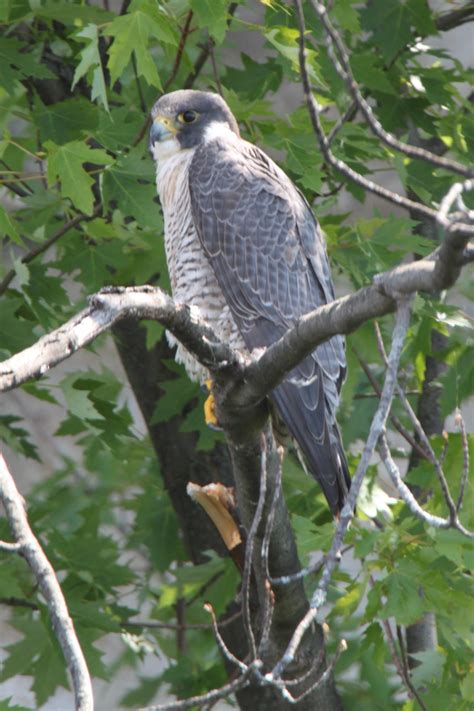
[192, 279]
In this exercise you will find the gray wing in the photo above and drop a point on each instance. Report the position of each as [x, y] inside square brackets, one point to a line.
[269, 258]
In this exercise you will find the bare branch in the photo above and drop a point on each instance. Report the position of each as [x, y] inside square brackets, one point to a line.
[224, 648]
[453, 520]
[269, 597]
[340, 165]
[347, 513]
[407, 496]
[348, 115]
[213, 695]
[456, 17]
[249, 551]
[343, 68]
[341, 647]
[459, 420]
[10, 547]
[155, 624]
[393, 418]
[107, 307]
[28, 546]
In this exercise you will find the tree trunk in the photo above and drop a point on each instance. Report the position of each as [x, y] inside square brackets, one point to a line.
[181, 463]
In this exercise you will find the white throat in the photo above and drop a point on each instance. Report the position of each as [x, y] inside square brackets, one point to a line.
[162, 150]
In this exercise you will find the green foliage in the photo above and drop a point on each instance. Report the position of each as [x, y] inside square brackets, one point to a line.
[76, 83]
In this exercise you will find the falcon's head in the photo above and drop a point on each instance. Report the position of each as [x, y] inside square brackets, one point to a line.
[183, 119]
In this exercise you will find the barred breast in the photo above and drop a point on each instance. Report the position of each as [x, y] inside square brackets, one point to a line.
[192, 279]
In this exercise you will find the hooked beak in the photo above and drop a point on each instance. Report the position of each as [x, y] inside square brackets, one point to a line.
[161, 129]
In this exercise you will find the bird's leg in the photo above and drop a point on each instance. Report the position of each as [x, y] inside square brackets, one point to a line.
[210, 408]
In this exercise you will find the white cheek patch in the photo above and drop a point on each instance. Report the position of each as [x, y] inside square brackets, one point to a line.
[161, 150]
[219, 129]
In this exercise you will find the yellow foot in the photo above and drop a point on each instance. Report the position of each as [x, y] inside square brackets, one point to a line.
[210, 409]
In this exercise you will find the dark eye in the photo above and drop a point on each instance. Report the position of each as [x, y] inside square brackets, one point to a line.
[188, 116]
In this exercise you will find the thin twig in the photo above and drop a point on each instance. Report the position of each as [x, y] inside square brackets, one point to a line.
[393, 418]
[269, 597]
[224, 648]
[155, 624]
[138, 83]
[21, 192]
[198, 701]
[248, 567]
[341, 647]
[456, 17]
[397, 660]
[459, 420]
[349, 114]
[407, 496]
[215, 72]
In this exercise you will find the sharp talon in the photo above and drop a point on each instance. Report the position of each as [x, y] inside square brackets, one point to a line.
[210, 409]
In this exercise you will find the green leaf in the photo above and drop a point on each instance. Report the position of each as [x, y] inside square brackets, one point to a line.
[370, 72]
[16, 63]
[285, 40]
[8, 226]
[177, 393]
[132, 33]
[66, 164]
[72, 13]
[36, 655]
[457, 382]
[77, 392]
[430, 668]
[125, 185]
[91, 59]
[467, 687]
[347, 15]
[66, 120]
[211, 14]
[16, 330]
[404, 601]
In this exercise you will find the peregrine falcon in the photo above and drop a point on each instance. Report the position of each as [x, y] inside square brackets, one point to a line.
[245, 251]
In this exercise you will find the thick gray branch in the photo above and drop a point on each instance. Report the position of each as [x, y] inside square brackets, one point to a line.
[107, 308]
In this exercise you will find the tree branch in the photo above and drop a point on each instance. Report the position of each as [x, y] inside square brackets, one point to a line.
[107, 308]
[341, 166]
[343, 68]
[28, 547]
[347, 513]
[455, 18]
